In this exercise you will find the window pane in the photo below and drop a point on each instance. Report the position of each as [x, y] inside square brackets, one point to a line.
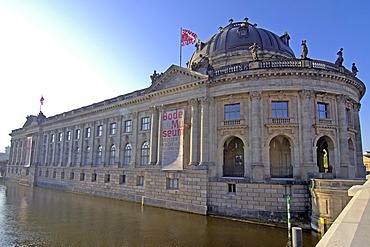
[232, 112]
[279, 109]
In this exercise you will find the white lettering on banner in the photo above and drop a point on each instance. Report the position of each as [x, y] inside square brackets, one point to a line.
[172, 139]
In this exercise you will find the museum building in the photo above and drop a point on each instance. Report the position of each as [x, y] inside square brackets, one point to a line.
[243, 125]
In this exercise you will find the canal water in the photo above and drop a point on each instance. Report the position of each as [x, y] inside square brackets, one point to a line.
[32, 216]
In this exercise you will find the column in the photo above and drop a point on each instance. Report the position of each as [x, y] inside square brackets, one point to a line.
[345, 168]
[194, 132]
[135, 132]
[159, 141]
[360, 169]
[256, 136]
[308, 167]
[153, 135]
[204, 130]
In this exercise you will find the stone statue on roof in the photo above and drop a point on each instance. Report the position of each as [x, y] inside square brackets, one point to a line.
[254, 48]
[354, 69]
[155, 76]
[304, 50]
[340, 58]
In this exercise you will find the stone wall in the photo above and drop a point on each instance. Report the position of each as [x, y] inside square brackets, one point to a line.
[190, 197]
[257, 200]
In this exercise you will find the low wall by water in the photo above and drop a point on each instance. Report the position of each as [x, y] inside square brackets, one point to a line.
[196, 192]
[351, 228]
[329, 197]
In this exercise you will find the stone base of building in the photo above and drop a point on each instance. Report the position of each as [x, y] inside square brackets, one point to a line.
[196, 192]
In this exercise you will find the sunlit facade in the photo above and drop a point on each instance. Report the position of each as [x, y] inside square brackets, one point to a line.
[224, 136]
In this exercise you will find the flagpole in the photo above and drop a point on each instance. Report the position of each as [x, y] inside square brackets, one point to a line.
[180, 45]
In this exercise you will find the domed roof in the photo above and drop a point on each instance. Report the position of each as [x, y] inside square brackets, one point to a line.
[235, 40]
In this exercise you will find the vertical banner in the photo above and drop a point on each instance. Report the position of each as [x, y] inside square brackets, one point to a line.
[27, 162]
[172, 139]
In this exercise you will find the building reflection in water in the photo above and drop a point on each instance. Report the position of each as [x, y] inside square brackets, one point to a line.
[44, 217]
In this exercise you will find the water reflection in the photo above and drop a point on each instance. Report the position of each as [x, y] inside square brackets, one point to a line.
[43, 217]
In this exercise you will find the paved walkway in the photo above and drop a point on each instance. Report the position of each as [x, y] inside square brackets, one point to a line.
[352, 227]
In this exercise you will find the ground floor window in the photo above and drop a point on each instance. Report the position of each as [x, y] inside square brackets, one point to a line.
[172, 183]
[231, 188]
[140, 181]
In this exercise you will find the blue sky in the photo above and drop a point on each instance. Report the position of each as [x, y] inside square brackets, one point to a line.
[78, 52]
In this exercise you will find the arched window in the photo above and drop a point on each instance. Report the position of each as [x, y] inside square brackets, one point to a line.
[87, 155]
[66, 155]
[112, 154]
[127, 154]
[144, 154]
[99, 153]
[77, 155]
[59, 156]
[233, 158]
[280, 158]
[323, 153]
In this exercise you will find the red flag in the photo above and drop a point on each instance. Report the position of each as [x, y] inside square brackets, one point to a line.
[42, 100]
[187, 37]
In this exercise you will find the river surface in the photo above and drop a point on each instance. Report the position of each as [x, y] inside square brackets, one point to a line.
[33, 216]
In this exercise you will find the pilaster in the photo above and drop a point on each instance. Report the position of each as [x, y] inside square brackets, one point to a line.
[308, 167]
[256, 136]
[153, 151]
[346, 171]
[194, 132]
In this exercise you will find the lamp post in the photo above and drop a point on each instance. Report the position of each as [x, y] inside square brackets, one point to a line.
[287, 194]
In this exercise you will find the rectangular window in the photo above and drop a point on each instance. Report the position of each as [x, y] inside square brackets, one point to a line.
[128, 126]
[99, 130]
[40, 173]
[279, 109]
[82, 176]
[112, 128]
[71, 175]
[88, 132]
[322, 110]
[47, 173]
[77, 134]
[232, 112]
[122, 179]
[60, 137]
[93, 177]
[231, 188]
[140, 181]
[107, 178]
[173, 183]
[45, 138]
[54, 174]
[145, 123]
[62, 174]
[52, 138]
[68, 135]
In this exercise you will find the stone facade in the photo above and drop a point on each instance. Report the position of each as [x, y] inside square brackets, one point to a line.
[250, 130]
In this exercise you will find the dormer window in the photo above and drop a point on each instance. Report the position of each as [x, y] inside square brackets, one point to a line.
[243, 30]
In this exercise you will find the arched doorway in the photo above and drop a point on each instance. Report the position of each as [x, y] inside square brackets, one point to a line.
[233, 158]
[280, 158]
[323, 155]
